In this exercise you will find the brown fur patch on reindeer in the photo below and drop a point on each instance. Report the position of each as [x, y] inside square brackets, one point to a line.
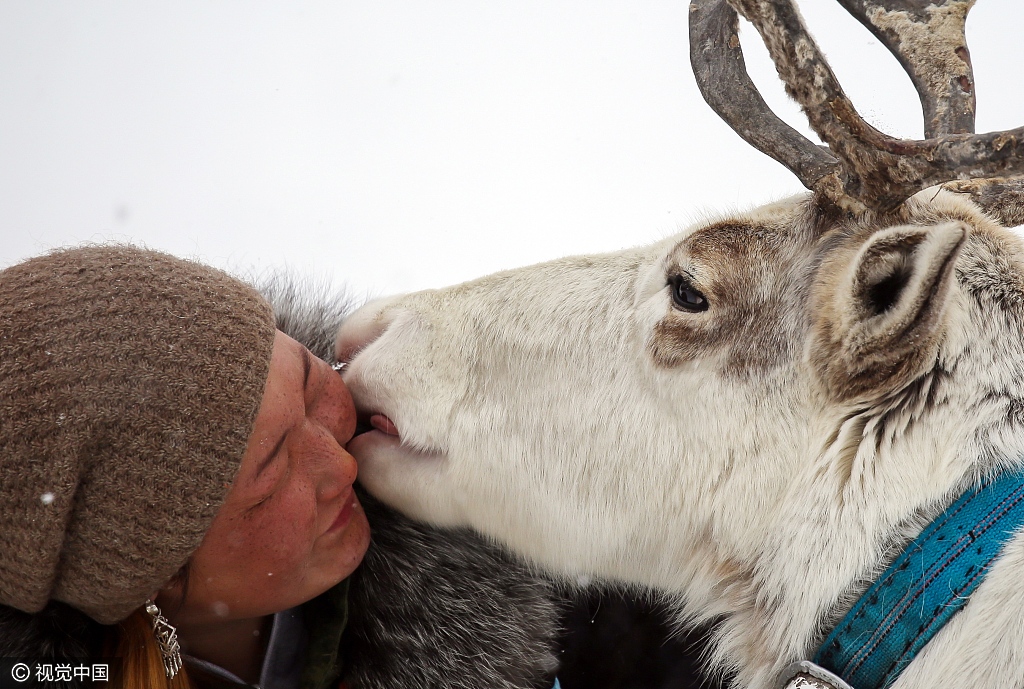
[741, 269]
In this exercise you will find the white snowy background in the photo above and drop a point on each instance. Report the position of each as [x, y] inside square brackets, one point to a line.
[394, 145]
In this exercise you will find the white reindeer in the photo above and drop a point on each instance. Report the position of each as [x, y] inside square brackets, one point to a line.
[757, 415]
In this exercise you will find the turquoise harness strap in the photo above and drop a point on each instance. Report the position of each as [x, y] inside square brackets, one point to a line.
[929, 582]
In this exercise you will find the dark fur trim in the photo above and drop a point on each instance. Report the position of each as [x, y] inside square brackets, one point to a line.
[311, 312]
[441, 608]
[57, 633]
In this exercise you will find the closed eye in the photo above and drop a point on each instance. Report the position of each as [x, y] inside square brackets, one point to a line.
[685, 296]
[277, 476]
[270, 456]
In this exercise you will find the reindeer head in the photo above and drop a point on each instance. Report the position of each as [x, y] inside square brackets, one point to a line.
[663, 414]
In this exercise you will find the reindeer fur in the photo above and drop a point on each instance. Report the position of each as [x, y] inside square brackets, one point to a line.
[759, 462]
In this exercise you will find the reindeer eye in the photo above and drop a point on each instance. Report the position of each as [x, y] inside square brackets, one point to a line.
[685, 296]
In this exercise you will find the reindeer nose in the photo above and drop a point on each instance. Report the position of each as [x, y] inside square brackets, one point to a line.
[362, 328]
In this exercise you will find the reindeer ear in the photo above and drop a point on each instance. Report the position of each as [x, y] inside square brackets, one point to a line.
[881, 313]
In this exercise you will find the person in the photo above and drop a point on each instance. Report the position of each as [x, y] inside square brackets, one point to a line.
[175, 495]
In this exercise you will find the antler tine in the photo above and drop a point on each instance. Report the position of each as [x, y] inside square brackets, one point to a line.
[718, 65]
[930, 44]
[880, 171]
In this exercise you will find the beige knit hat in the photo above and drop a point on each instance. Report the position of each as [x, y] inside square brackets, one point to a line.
[129, 383]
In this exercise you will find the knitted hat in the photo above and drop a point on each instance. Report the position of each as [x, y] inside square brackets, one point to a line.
[129, 383]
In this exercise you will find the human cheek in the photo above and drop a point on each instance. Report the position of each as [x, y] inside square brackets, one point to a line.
[294, 522]
[284, 541]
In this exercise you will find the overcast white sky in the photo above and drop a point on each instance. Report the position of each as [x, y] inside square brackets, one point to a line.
[401, 145]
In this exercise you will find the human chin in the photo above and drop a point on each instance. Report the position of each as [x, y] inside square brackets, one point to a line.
[342, 547]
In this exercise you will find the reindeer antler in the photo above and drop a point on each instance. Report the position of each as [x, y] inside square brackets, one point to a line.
[928, 40]
[867, 169]
[721, 72]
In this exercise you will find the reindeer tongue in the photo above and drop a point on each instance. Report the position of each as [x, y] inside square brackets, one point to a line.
[383, 424]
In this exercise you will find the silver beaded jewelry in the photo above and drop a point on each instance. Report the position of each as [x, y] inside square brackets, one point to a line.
[167, 638]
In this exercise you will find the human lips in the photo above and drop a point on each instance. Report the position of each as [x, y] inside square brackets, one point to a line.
[344, 517]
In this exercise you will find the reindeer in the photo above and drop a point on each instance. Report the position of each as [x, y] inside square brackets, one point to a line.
[756, 415]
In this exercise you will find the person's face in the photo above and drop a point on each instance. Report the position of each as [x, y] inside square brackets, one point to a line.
[291, 526]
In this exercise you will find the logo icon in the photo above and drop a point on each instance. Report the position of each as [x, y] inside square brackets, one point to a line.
[20, 672]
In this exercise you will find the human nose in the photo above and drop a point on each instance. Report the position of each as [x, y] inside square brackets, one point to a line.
[334, 469]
